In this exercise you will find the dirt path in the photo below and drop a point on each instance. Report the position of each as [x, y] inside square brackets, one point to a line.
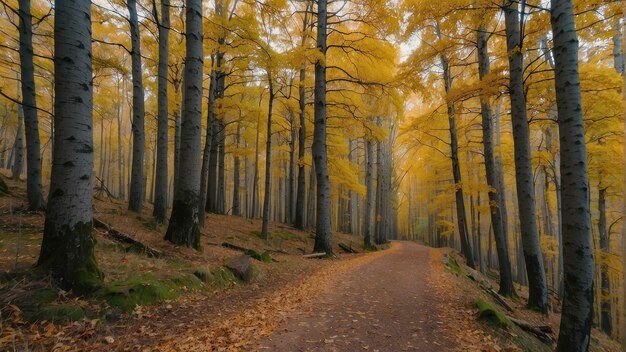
[386, 304]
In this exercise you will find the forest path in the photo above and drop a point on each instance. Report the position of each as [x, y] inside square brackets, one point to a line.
[386, 304]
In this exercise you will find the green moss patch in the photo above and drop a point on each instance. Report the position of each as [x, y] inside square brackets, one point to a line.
[62, 313]
[488, 313]
[216, 277]
[263, 257]
[44, 296]
[454, 266]
[146, 289]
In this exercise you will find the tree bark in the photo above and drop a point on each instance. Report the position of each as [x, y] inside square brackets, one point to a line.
[299, 220]
[18, 146]
[268, 161]
[466, 248]
[208, 145]
[67, 249]
[369, 197]
[29, 106]
[576, 317]
[537, 286]
[160, 187]
[137, 186]
[183, 228]
[495, 200]
[236, 177]
[320, 157]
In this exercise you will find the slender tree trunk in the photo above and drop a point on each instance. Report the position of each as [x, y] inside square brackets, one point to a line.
[537, 286]
[268, 162]
[320, 158]
[67, 249]
[255, 184]
[18, 146]
[208, 145]
[311, 197]
[183, 228]
[120, 148]
[369, 197]
[221, 179]
[456, 172]
[211, 203]
[606, 323]
[137, 186]
[495, 200]
[29, 106]
[301, 189]
[291, 182]
[576, 317]
[236, 179]
[160, 201]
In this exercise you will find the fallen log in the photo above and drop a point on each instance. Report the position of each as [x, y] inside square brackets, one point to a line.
[314, 255]
[127, 239]
[263, 257]
[541, 332]
[346, 248]
[499, 298]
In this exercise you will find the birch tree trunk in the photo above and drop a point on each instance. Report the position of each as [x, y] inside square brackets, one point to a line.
[320, 157]
[576, 317]
[160, 188]
[183, 228]
[137, 186]
[67, 249]
[537, 286]
[495, 200]
[29, 106]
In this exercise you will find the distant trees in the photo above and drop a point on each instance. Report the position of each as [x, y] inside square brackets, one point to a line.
[67, 250]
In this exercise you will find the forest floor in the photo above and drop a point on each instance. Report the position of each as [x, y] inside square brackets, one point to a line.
[403, 298]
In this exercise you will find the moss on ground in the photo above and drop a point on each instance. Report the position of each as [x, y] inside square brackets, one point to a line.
[454, 266]
[44, 296]
[216, 277]
[147, 289]
[61, 313]
[490, 314]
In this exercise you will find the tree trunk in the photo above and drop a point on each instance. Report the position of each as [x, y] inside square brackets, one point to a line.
[495, 200]
[67, 249]
[208, 144]
[301, 189]
[18, 146]
[120, 148]
[606, 322]
[160, 187]
[29, 106]
[291, 182]
[268, 162]
[236, 178]
[311, 197]
[183, 228]
[466, 248]
[137, 186]
[369, 197]
[576, 317]
[537, 286]
[320, 157]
